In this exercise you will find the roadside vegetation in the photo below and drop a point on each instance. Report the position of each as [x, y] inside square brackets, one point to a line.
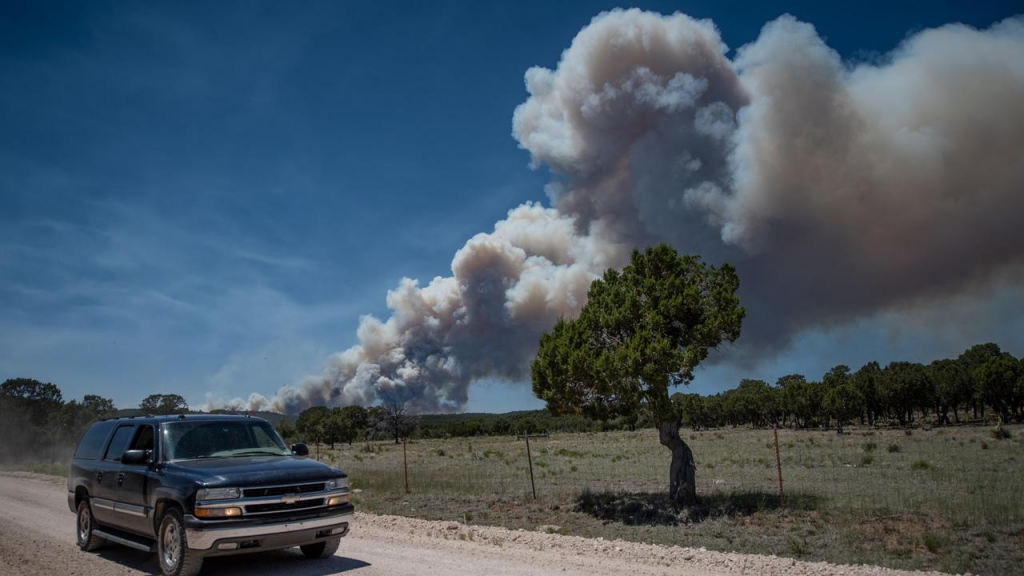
[949, 499]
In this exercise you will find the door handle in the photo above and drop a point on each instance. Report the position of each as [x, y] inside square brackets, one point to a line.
[99, 477]
[120, 479]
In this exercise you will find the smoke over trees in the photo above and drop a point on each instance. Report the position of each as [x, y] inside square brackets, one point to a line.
[837, 190]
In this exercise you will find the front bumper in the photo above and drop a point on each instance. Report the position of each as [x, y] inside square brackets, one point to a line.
[242, 538]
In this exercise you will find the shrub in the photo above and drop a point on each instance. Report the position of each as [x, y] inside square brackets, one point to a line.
[1001, 433]
[440, 451]
[893, 448]
[866, 460]
[870, 446]
[931, 542]
[920, 465]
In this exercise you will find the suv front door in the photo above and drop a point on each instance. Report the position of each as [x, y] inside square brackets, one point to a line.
[133, 507]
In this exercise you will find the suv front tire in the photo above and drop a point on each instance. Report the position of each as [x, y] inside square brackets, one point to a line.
[172, 551]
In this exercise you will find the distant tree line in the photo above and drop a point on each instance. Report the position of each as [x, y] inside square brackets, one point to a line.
[357, 424]
[944, 391]
[982, 382]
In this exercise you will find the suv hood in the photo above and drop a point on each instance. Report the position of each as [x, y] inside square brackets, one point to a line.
[254, 470]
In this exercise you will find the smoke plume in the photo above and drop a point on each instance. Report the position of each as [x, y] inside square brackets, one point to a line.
[838, 190]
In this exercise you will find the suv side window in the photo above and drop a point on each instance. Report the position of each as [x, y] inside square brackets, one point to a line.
[119, 443]
[91, 446]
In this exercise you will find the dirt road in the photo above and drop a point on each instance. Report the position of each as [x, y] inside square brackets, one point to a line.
[37, 538]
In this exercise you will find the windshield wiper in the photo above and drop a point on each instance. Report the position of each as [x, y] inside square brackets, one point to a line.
[254, 452]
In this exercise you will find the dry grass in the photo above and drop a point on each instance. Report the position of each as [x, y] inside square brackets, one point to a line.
[937, 501]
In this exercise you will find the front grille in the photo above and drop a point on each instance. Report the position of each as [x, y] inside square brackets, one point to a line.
[282, 507]
[282, 490]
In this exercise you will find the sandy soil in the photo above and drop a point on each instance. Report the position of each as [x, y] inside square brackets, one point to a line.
[37, 538]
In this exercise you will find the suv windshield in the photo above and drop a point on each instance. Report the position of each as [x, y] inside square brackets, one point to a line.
[221, 439]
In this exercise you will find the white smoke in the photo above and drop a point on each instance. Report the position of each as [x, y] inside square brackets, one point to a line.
[837, 190]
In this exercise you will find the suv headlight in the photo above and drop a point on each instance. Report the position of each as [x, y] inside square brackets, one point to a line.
[217, 493]
[338, 484]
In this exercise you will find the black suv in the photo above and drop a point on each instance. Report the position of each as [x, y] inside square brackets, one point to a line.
[193, 486]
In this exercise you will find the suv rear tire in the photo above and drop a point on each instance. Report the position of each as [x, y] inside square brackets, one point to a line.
[172, 551]
[324, 549]
[87, 538]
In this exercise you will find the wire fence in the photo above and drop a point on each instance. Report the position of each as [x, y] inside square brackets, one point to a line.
[962, 474]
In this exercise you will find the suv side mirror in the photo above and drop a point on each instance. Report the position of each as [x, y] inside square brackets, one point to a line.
[300, 449]
[135, 457]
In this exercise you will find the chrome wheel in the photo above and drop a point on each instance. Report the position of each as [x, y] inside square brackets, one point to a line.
[176, 559]
[84, 524]
[170, 546]
[85, 528]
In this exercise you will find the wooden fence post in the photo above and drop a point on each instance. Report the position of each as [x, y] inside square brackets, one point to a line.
[405, 464]
[778, 464]
[529, 459]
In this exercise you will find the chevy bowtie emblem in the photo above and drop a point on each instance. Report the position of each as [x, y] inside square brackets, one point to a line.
[290, 498]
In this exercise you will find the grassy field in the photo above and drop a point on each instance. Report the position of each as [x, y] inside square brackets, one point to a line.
[950, 499]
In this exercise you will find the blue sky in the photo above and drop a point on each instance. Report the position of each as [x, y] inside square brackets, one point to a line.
[203, 198]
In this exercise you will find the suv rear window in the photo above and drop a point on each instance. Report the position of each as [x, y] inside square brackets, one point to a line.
[92, 443]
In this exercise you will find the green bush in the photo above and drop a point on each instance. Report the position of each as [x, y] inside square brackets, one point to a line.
[920, 465]
[870, 446]
[931, 542]
[1001, 433]
[893, 448]
[866, 460]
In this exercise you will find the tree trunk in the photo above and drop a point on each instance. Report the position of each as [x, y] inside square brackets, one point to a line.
[682, 476]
